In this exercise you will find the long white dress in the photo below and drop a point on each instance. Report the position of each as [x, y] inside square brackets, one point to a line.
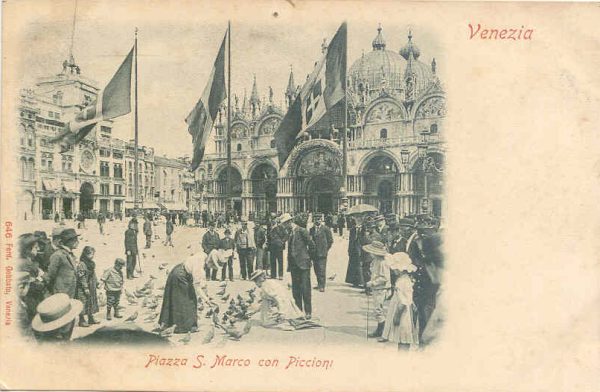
[405, 328]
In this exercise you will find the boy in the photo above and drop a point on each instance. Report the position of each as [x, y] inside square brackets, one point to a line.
[226, 244]
[113, 284]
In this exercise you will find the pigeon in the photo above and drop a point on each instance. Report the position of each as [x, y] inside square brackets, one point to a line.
[168, 331]
[225, 298]
[132, 318]
[144, 255]
[150, 317]
[104, 243]
[189, 246]
[332, 277]
[222, 291]
[209, 335]
[247, 328]
[153, 305]
[131, 301]
[186, 339]
[200, 307]
[129, 295]
[223, 284]
[153, 256]
[163, 266]
[233, 333]
[153, 277]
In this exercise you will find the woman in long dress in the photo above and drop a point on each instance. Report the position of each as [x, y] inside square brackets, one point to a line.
[401, 323]
[180, 300]
[354, 274]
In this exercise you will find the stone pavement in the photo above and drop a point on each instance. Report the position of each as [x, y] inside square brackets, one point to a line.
[341, 309]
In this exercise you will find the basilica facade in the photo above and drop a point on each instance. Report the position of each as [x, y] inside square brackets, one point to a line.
[395, 145]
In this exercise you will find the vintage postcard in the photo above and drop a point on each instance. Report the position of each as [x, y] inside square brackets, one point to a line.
[299, 195]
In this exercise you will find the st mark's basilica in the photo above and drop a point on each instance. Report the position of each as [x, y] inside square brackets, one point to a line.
[396, 149]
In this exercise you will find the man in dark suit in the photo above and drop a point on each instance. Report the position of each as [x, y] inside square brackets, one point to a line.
[300, 250]
[131, 248]
[278, 236]
[323, 239]
[210, 241]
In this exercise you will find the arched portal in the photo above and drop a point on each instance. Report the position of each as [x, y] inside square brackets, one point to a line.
[322, 194]
[86, 198]
[380, 175]
[264, 187]
[236, 187]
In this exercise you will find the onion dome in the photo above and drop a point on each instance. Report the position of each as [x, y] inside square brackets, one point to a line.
[379, 41]
[377, 67]
[410, 48]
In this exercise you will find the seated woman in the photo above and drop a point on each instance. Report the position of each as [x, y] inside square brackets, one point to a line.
[180, 300]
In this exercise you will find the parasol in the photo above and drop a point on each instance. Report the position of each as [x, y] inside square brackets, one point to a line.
[361, 209]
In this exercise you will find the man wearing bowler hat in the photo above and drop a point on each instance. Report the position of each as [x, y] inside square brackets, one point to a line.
[321, 235]
[300, 251]
[278, 236]
[131, 248]
[61, 276]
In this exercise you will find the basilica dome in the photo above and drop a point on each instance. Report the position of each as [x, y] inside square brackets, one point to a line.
[378, 68]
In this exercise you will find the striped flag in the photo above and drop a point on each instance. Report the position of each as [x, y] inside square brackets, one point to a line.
[325, 87]
[113, 101]
[201, 118]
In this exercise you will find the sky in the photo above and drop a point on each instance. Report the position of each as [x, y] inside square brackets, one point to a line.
[177, 46]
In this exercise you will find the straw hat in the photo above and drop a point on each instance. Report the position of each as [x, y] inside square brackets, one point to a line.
[55, 312]
[256, 274]
[285, 218]
[401, 262]
[376, 248]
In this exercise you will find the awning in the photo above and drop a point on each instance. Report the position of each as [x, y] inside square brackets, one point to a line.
[70, 186]
[147, 205]
[51, 184]
[175, 206]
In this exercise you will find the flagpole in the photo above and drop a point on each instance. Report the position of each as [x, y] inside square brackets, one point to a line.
[344, 198]
[135, 168]
[229, 205]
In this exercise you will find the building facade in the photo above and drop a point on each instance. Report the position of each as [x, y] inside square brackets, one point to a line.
[395, 144]
[90, 177]
[175, 184]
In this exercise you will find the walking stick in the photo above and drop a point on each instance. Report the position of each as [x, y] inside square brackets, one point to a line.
[368, 311]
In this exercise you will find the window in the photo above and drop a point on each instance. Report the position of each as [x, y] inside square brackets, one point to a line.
[130, 192]
[273, 143]
[433, 128]
[239, 147]
[118, 189]
[49, 165]
[50, 114]
[117, 155]
[118, 170]
[383, 134]
[23, 168]
[104, 169]
[29, 139]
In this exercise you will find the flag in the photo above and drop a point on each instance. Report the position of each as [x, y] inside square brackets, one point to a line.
[201, 118]
[324, 88]
[113, 101]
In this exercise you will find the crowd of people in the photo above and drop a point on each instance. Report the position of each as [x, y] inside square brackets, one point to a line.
[396, 262]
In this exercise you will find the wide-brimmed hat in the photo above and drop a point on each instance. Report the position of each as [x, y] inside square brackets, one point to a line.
[376, 248]
[57, 231]
[256, 274]
[400, 261]
[55, 312]
[285, 218]
[27, 240]
[40, 234]
[68, 234]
